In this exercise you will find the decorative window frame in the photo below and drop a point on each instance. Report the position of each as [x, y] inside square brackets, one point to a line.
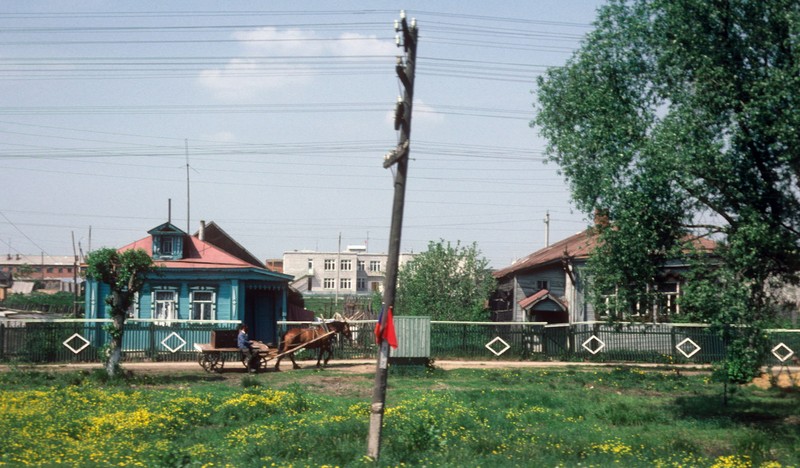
[203, 289]
[153, 302]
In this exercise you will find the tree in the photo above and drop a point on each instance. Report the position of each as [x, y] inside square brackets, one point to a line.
[445, 282]
[680, 118]
[125, 273]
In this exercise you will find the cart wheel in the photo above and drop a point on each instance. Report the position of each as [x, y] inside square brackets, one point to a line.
[255, 361]
[211, 362]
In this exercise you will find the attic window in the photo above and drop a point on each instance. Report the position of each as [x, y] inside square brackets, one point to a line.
[166, 245]
[541, 284]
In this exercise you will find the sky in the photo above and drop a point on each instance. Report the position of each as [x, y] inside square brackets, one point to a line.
[272, 119]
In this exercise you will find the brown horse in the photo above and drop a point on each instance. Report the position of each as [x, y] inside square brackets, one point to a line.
[296, 337]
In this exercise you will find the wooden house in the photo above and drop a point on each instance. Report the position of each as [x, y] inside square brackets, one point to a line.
[550, 284]
[204, 277]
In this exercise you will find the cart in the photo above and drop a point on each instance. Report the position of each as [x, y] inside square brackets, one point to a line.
[212, 358]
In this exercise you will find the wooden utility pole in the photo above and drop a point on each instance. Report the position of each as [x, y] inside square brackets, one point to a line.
[407, 38]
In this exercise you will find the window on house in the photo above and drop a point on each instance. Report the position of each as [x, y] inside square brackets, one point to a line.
[165, 305]
[203, 305]
[330, 264]
[374, 265]
[133, 310]
[361, 265]
[166, 246]
[375, 285]
[310, 265]
[542, 284]
[345, 283]
[669, 293]
[346, 265]
[329, 283]
[361, 284]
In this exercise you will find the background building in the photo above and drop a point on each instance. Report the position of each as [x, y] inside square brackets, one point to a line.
[351, 272]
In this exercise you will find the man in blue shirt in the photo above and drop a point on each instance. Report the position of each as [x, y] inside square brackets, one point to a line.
[246, 347]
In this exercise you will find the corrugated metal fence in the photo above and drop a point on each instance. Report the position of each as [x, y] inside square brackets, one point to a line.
[77, 340]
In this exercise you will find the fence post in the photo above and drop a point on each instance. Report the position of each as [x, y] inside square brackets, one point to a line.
[2, 340]
[673, 343]
[151, 330]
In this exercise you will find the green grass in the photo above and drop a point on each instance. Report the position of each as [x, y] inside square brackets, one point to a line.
[497, 418]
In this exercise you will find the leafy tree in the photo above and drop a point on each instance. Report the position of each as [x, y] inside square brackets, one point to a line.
[125, 273]
[446, 282]
[680, 117]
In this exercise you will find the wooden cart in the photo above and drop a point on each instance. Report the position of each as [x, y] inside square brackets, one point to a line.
[211, 356]
[212, 359]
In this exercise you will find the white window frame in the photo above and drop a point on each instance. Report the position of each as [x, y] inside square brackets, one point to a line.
[346, 264]
[361, 284]
[375, 266]
[361, 265]
[169, 307]
[212, 303]
[345, 283]
[330, 264]
[328, 283]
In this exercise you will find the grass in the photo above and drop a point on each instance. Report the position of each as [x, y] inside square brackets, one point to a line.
[508, 417]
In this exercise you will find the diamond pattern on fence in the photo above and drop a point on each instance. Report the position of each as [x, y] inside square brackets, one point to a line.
[71, 348]
[593, 339]
[178, 337]
[785, 350]
[490, 345]
[695, 348]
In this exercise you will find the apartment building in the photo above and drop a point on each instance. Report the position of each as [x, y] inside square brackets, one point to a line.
[351, 272]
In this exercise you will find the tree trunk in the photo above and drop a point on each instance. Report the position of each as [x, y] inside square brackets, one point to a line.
[115, 344]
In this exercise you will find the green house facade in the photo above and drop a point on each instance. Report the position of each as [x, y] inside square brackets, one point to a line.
[203, 278]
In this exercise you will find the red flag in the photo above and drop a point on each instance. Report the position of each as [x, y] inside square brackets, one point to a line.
[387, 332]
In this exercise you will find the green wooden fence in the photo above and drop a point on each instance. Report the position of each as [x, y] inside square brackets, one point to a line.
[79, 340]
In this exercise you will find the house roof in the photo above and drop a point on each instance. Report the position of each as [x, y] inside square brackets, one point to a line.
[197, 254]
[542, 295]
[214, 235]
[577, 246]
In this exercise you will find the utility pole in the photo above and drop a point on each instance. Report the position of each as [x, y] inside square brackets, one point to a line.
[547, 229]
[407, 38]
[75, 276]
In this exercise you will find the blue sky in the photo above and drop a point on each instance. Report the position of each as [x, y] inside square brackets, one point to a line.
[285, 111]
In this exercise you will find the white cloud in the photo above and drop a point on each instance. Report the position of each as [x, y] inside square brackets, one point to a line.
[244, 78]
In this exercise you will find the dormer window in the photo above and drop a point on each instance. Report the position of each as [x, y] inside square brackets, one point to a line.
[168, 242]
[166, 246]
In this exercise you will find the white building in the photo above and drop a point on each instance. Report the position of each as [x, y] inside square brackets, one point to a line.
[351, 272]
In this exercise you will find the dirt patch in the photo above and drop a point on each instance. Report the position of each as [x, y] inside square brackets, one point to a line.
[785, 379]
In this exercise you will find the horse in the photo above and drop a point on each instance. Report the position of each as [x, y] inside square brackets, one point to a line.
[296, 337]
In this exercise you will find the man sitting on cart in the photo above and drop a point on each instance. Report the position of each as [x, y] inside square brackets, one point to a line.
[245, 345]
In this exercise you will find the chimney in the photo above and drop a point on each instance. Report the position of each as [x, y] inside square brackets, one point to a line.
[201, 234]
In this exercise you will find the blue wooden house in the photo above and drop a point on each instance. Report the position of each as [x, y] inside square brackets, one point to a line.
[204, 278]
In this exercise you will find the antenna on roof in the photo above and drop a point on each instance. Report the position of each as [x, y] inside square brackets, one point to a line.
[169, 210]
[188, 197]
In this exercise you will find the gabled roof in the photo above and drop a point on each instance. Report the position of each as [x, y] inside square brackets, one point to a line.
[541, 296]
[197, 254]
[166, 228]
[214, 235]
[576, 246]
[579, 246]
